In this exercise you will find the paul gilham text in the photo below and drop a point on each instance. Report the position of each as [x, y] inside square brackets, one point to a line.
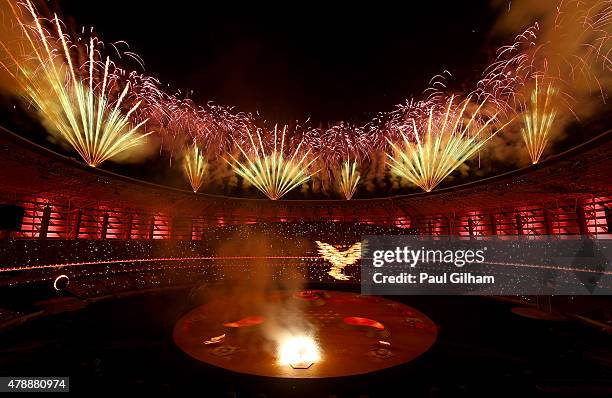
[424, 278]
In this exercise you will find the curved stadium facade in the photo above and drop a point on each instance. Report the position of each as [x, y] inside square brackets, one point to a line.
[569, 194]
[111, 234]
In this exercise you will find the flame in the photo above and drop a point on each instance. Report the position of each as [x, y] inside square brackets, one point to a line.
[299, 352]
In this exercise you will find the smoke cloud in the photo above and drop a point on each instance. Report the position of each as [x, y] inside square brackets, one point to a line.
[571, 52]
[253, 289]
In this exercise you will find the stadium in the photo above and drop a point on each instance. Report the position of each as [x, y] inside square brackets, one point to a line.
[242, 268]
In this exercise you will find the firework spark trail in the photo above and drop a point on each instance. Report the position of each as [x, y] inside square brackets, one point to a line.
[194, 167]
[405, 116]
[180, 121]
[440, 149]
[587, 28]
[77, 107]
[272, 173]
[349, 179]
[538, 118]
[342, 138]
[504, 79]
[567, 48]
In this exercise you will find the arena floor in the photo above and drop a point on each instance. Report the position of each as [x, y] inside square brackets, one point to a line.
[482, 347]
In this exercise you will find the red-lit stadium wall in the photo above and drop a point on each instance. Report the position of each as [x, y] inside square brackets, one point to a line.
[569, 194]
[48, 219]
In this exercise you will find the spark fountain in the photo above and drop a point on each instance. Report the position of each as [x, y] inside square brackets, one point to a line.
[349, 179]
[83, 111]
[539, 117]
[194, 167]
[272, 172]
[445, 144]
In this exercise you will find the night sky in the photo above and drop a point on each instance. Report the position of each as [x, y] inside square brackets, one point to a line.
[297, 61]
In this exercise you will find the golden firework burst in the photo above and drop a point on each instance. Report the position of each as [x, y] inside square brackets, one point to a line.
[80, 109]
[447, 142]
[349, 179]
[194, 166]
[538, 118]
[272, 173]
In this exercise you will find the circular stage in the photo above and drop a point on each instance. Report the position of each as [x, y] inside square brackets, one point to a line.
[353, 334]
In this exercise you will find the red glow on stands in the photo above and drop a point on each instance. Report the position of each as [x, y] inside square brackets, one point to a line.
[50, 219]
[197, 229]
[472, 224]
[89, 225]
[532, 221]
[181, 229]
[140, 226]
[435, 225]
[161, 227]
[44, 220]
[402, 222]
[118, 225]
[596, 218]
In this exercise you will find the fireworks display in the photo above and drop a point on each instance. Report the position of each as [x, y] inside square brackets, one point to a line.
[349, 178]
[194, 167]
[80, 109]
[100, 109]
[272, 172]
[444, 145]
[538, 118]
